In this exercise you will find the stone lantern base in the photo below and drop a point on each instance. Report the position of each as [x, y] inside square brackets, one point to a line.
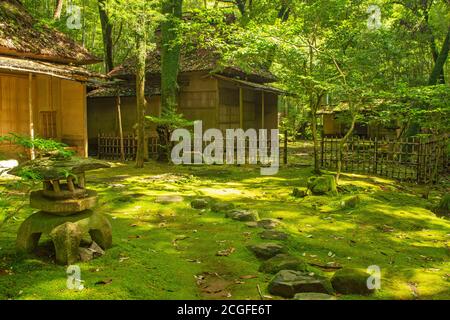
[66, 233]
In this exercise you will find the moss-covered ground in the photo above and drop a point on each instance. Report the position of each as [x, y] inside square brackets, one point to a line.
[169, 251]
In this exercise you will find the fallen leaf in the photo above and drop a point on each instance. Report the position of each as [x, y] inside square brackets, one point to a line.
[226, 252]
[248, 277]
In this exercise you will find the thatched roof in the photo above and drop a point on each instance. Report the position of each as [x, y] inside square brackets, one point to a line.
[22, 36]
[48, 68]
[127, 89]
[197, 59]
[121, 89]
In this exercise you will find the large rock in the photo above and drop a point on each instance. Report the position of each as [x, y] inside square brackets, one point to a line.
[243, 215]
[222, 206]
[350, 202]
[273, 235]
[314, 296]
[351, 281]
[283, 262]
[287, 283]
[266, 250]
[65, 232]
[325, 184]
[199, 204]
[64, 207]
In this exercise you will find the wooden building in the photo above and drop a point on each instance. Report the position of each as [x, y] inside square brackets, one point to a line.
[223, 97]
[42, 83]
[336, 122]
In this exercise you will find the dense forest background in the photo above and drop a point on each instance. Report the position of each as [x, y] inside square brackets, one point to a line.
[383, 53]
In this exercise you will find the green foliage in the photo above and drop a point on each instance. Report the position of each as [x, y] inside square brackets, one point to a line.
[171, 120]
[42, 147]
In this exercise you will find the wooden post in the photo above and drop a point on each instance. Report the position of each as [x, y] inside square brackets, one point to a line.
[241, 108]
[285, 155]
[70, 184]
[119, 118]
[30, 110]
[263, 110]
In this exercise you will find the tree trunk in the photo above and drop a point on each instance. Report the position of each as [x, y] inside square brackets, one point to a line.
[315, 140]
[440, 62]
[119, 119]
[140, 94]
[170, 61]
[107, 35]
[341, 147]
[58, 10]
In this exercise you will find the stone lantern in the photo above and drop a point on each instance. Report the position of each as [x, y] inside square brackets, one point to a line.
[65, 208]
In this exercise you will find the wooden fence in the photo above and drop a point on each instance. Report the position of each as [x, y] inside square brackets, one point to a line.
[109, 148]
[412, 159]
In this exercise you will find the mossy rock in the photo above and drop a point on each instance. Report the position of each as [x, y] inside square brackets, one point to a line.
[222, 206]
[199, 204]
[444, 206]
[351, 202]
[322, 185]
[266, 251]
[351, 281]
[243, 215]
[299, 192]
[287, 283]
[283, 262]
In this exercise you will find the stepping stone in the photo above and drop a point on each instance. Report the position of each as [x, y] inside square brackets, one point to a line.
[313, 296]
[351, 281]
[222, 206]
[283, 262]
[243, 215]
[199, 204]
[287, 283]
[266, 250]
[273, 235]
[268, 223]
[252, 224]
[167, 199]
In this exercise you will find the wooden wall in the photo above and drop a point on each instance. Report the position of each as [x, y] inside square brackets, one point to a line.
[56, 103]
[202, 97]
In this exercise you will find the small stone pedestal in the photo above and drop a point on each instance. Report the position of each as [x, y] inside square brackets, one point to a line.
[66, 214]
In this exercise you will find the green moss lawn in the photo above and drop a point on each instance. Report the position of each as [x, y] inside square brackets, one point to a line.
[169, 251]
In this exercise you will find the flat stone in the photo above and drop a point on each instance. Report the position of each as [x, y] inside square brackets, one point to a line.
[62, 207]
[351, 281]
[252, 224]
[86, 255]
[273, 235]
[313, 296]
[167, 199]
[199, 204]
[283, 262]
[222, 206]
[243, 215]
[266, 250]
[268, 223]
[287, 283]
